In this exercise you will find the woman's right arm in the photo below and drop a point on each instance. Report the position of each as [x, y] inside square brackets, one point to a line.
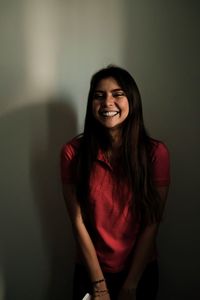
[82, 237]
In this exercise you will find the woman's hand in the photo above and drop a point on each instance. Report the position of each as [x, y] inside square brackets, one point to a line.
[127, 294]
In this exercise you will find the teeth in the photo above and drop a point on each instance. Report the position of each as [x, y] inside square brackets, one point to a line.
[109, 113]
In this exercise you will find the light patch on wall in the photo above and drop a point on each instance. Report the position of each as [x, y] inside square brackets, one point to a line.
[41, 45]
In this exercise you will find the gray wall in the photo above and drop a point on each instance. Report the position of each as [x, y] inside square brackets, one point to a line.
[49, 50]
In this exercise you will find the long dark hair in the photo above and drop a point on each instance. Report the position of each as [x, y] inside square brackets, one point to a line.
[136, 149]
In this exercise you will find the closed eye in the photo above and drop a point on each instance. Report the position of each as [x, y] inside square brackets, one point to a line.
[118, 94]
[99, 96]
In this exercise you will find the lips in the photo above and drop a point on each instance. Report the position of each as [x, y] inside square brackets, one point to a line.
[109, 113]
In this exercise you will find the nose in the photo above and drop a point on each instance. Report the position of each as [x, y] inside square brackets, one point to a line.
[109, 99]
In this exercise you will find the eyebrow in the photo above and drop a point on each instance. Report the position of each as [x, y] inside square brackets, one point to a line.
[115, 90]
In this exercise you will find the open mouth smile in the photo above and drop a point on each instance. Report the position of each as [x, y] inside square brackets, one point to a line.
[109, 113]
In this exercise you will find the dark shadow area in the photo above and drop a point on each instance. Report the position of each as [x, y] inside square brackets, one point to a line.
[61, 123]
[35, 232]
[163, 56]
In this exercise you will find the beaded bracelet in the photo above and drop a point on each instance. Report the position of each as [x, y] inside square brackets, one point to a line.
[98, 281]
[100, 293]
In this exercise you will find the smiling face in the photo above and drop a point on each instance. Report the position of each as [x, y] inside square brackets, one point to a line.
[110, 105]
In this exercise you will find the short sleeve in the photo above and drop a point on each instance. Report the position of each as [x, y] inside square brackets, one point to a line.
[68, 163]
[161, 165]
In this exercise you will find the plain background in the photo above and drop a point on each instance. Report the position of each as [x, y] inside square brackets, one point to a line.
[49, 50]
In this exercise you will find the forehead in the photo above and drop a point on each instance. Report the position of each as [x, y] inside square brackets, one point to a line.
[107, 84]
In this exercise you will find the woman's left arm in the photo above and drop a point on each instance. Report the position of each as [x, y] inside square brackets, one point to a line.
[142, 253]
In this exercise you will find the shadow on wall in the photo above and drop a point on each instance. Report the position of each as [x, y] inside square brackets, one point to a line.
[38, 245]
[165, 58]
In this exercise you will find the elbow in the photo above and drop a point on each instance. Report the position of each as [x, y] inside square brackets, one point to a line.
[77, 223]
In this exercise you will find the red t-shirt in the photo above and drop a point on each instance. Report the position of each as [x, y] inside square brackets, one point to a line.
[115, 230]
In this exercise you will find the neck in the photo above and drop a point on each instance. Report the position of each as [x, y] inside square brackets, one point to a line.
[116, 139]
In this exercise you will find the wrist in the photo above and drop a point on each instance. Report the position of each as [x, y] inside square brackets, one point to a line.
[99, 288]
[100, 293]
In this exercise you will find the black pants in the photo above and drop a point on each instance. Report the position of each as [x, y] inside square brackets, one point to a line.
[146, 290]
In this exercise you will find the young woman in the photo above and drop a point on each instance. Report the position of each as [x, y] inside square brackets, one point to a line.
[115, 184]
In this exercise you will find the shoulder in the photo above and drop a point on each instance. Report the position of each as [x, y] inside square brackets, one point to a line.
[70, 149]
[159, 151]
[160, 163]
[68, 160]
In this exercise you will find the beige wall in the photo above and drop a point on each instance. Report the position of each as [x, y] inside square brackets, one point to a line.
[49, 49]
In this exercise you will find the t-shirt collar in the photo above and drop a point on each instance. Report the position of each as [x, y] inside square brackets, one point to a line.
[101, 157]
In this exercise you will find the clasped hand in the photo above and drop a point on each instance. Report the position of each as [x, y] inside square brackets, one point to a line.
[127, 294]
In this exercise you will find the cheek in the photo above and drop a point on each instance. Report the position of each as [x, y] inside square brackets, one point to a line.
[95, 108]
[126, 107]
[126, 110]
